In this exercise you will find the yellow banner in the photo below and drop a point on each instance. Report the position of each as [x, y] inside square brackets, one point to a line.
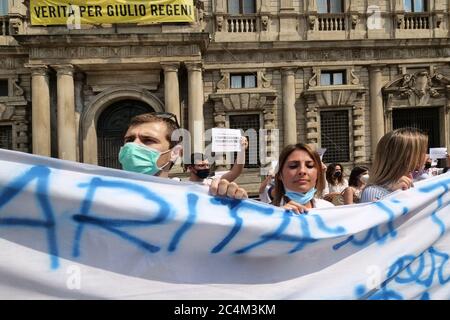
[78, 12]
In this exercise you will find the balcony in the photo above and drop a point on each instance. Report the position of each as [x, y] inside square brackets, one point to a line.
[4, 26]
[241, 24]
[331, 22]
[414, 21]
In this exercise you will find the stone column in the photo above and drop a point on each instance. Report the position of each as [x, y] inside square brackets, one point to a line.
[376, 106]
[195, 106]
[171, 88]
[40, 100]
[289, 114]
[67, 141]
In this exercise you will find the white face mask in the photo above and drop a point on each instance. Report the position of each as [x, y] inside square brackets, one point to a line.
[365, 178]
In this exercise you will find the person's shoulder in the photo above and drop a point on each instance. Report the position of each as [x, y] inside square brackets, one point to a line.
[373, 193]
[349, 189]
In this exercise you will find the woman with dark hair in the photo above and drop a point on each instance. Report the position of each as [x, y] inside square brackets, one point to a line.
[356, 183]
[335, 178]
[299, 179]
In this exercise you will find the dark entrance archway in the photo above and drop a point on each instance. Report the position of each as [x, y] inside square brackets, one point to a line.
[111, 127]
[425, 119]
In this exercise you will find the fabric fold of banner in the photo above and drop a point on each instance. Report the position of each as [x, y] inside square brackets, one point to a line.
[71, 230]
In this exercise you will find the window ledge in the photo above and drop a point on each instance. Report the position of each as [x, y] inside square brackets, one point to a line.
[244, 90]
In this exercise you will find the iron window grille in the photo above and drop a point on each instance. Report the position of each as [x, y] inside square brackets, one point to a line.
[335, 135]
[6, 137]
[246, 122]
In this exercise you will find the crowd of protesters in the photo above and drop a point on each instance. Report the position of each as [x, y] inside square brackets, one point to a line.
[301, 180]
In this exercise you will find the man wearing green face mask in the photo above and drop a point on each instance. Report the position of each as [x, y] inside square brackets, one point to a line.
[149, 149]
[148, 146]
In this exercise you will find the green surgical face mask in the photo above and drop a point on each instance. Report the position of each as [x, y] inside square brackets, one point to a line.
[139, 158]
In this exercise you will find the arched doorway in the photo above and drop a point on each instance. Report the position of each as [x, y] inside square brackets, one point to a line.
[111, 127]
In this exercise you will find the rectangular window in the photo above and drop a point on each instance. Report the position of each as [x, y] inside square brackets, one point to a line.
[234, 7]
[4, 7]
[335, 135]
[415, 5]
[330, 6]
[6, 137]
[4, 88]
[239, 81]
[333, 77]
[246, 122]
[241, 6]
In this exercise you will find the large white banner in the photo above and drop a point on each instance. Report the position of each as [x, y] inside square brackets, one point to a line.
[69, 230]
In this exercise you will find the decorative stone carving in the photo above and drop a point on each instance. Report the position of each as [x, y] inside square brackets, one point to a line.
[8, 63]
[355, 79]
[6, 112]
[219, 23]
[418, 89]
[17, 90]
[200, 5]
[264, 23]
[313, 81]
[113, 52]
[400, 21]
[312, 22]
[439, 20]
[315, 55]
[224, 82]
[265, 83]
[15, 26]
[355, 20]
[419, 84]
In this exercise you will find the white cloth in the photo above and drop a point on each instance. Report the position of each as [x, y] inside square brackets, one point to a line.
[265, 197]
[76, 231]
[320, 203]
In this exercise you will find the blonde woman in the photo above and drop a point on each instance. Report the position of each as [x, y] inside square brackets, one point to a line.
[299, 179]
[399, 153]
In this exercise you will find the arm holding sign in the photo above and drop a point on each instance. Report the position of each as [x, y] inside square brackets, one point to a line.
[238, 166]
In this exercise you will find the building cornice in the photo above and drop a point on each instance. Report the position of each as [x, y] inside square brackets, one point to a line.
[74, 40]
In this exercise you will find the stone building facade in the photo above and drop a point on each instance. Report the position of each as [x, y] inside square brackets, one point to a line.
[335, 73]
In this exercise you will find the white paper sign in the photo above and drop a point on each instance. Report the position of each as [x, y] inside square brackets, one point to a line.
[226, 140]
[438, 153]
[274, 165]
[321, 152]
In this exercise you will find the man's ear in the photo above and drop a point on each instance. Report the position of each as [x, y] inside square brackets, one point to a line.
[176, 152]
[191, 169]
